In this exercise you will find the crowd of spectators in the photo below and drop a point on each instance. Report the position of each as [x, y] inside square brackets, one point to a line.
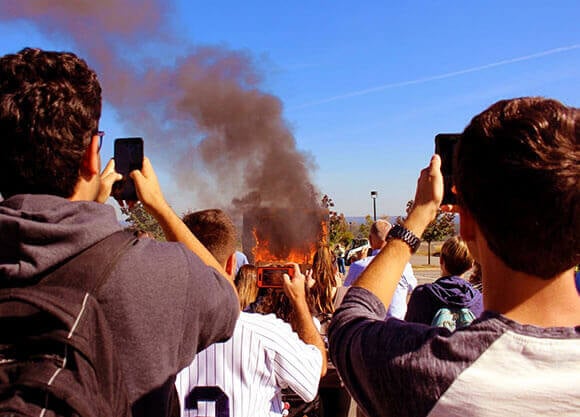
[190, 324]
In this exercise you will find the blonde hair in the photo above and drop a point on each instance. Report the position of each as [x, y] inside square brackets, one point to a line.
[455, 255]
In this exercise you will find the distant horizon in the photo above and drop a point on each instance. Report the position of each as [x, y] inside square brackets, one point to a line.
[361, 219]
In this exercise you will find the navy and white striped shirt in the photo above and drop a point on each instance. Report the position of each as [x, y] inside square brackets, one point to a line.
[263, 356]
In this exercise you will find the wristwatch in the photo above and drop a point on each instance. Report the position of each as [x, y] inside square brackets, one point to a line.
[404, 234]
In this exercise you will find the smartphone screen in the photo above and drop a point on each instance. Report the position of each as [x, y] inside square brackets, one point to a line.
[445, 148]
[128, 157]
[273, 277]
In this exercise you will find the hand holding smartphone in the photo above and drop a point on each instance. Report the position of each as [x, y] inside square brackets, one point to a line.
[445, 148]
[128, 157]
[273, 276]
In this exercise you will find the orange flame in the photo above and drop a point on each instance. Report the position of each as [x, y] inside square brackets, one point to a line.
[276, 236]
[263, 254]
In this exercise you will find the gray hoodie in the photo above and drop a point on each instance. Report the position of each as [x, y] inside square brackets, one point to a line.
[163, 303]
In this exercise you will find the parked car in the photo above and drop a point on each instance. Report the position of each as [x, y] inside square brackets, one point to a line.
[355, 249]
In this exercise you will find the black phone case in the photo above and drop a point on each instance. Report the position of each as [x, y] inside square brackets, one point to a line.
[445, 147]
[128, 157]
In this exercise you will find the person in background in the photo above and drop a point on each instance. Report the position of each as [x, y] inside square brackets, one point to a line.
[339, 252]
[407, 283]
[516, 175]
[326, 294]
[475, 277]
[451, 290]
[241, 260]
[275, 301]
[248, 372]
[247, 285]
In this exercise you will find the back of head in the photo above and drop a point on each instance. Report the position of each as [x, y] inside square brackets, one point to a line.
[50, 105]
[516, 172]
[323, 272]
[215, 230]
[455, 255]
[247, 285]
[274, 301]
[378, 233]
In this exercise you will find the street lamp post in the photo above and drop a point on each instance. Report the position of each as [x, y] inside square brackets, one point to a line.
[374, 195]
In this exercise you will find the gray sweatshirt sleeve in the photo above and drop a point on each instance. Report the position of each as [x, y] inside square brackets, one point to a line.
[377, 359]
[166, 305]
[395, 368]
[211, 310]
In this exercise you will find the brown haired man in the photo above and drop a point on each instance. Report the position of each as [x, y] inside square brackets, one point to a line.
[246, 373]
[50, 105]
[517, 182]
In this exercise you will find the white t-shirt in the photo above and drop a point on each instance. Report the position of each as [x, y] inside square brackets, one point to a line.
[407, 283]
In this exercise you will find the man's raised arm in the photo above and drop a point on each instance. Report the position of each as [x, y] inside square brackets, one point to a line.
[384, 272]
[149, 193]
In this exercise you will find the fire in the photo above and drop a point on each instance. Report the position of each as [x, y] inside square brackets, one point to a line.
[263, 254]
[279, 236]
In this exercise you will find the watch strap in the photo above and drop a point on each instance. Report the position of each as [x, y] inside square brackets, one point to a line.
[404, 234]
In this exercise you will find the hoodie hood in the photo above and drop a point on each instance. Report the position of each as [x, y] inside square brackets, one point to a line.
[40, 231]
[454, 291]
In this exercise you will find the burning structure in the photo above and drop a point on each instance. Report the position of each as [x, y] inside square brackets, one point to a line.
[278, 236]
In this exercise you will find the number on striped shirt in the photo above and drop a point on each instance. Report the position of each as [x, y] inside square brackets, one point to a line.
[215, 394]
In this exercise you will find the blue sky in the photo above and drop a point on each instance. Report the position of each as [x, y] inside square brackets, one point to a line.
[364, 86]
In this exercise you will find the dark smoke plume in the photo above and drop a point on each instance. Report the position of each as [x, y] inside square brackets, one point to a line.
[201, 111]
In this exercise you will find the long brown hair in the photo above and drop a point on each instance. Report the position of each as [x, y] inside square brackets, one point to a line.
[274, 301]
[247, 285]
[324, 274]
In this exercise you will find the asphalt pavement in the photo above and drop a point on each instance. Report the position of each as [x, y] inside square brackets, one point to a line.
[425, 272]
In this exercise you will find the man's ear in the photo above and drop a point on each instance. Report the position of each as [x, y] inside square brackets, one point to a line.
[469, 231]
[91, 163]
[466, 225]
[231, 265]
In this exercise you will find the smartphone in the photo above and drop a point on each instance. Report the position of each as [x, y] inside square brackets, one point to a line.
[273, 276]
[445, 148]
[128, 157]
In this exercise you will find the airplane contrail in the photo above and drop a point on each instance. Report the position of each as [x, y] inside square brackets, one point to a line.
[441, 76]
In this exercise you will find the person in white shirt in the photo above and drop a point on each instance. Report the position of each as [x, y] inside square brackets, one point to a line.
[241, 260]
[245, 375]
[408, 282]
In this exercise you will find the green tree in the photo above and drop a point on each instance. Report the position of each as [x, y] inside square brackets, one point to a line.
[365, 228]
[140, 220]
[442, 227]
[338, 228]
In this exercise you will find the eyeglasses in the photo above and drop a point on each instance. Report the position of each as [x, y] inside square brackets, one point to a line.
[100, 134]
